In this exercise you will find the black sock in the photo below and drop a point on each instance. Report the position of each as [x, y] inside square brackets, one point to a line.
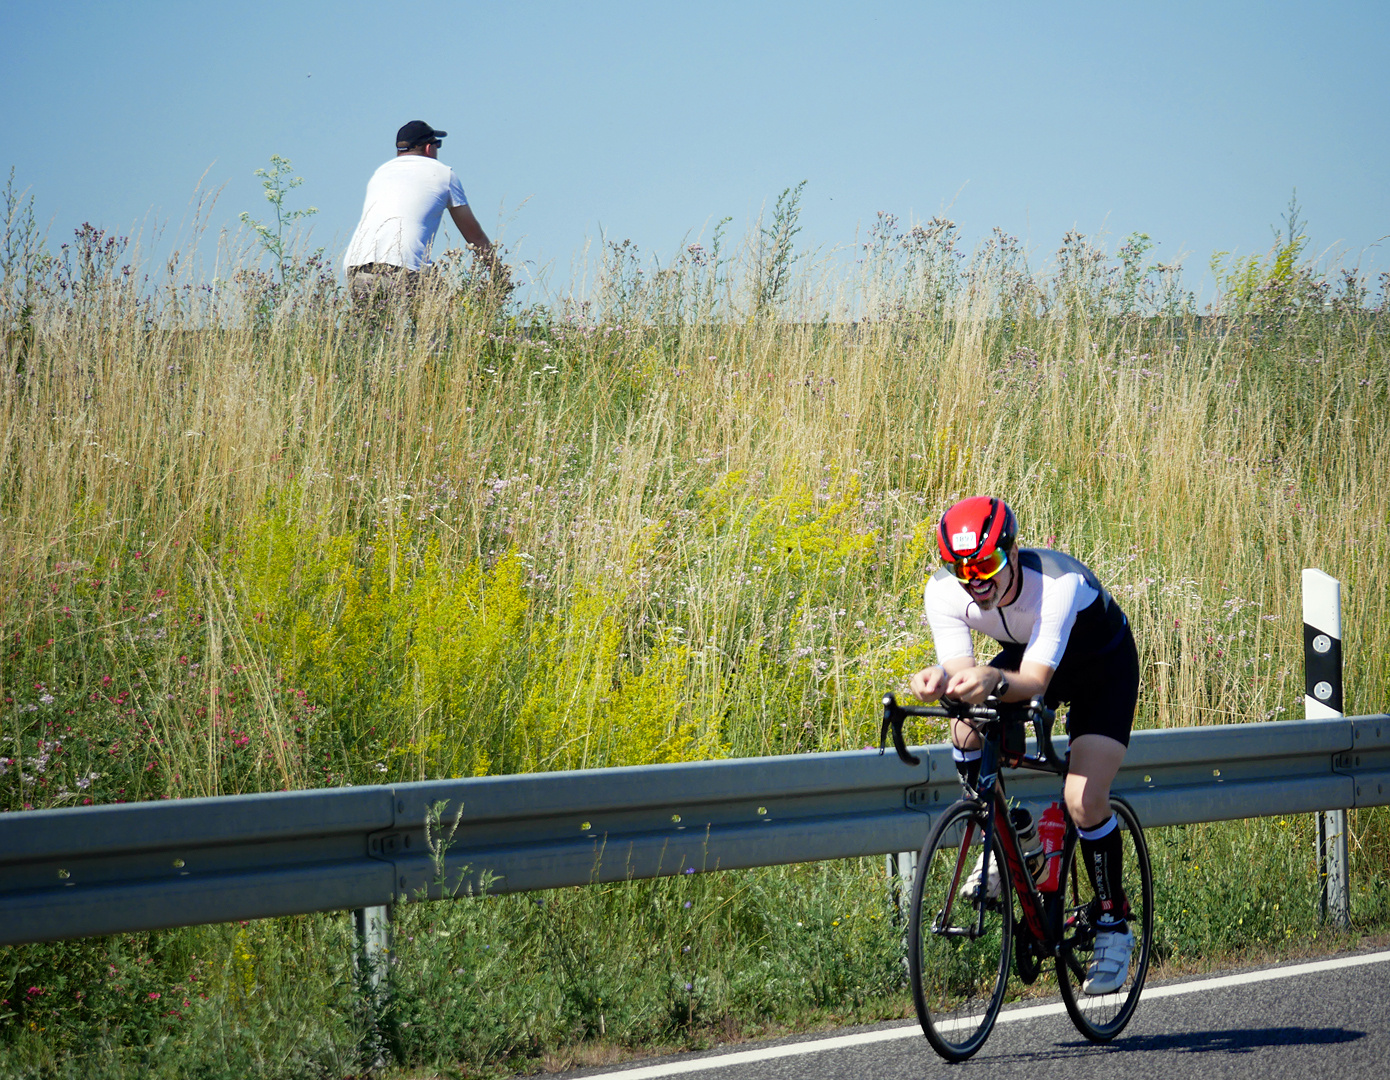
[1103, 854]
[969, 770]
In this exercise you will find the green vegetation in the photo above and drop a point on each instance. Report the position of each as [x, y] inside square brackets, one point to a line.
[277, 183]
[252, 542]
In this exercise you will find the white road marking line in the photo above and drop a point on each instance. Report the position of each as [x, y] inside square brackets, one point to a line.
[1029, 1012]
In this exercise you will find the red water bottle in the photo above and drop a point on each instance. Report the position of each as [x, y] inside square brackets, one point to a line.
[1052, 830]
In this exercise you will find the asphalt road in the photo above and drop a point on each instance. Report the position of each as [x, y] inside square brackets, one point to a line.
[1296, 1022]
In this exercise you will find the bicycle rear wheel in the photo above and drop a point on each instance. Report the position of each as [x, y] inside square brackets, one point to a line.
[1101, 1017]
[958, 948]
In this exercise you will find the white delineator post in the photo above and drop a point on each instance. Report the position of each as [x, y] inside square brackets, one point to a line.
[1322, 699]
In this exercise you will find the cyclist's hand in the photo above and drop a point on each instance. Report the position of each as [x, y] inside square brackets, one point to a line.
[928, 684]
[973, 685]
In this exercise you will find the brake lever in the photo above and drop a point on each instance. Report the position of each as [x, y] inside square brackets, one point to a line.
[893, 718]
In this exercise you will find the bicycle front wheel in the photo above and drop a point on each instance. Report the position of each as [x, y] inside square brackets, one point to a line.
[958, 946]
[1101, 1017]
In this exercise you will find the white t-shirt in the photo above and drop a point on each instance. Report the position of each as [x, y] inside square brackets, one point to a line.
[405, 199]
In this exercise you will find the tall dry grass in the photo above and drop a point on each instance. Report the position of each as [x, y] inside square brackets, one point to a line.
[1197, 470]
[251, 540]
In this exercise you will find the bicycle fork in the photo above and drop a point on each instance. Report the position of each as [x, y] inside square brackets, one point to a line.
[942, 925]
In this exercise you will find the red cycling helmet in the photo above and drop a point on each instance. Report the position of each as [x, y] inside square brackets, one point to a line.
[975, 537]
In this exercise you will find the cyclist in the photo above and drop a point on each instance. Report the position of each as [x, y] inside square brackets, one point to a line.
[1062, 636]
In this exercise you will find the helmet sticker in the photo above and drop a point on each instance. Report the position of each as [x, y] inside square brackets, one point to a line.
[965, 540]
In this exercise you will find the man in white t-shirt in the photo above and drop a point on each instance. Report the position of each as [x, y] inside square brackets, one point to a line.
[406, 198]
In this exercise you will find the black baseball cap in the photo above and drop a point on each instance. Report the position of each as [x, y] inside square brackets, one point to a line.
[415, 133]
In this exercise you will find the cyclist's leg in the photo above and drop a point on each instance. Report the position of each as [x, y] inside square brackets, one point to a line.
[1095, 760]
[1103, 696]
[1100, 721]
[965, 750]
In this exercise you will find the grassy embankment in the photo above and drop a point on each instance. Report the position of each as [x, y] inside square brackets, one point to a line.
[249, 545]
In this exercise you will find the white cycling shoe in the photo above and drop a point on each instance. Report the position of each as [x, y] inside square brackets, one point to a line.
[1110, 962]
[970, 887]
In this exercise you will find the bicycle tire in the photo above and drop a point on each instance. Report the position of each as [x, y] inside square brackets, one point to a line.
[1101, 1017]
[958, 977]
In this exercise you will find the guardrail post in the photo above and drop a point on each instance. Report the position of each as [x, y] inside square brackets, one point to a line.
[372, 961]
[902, 868]
[1322, 698]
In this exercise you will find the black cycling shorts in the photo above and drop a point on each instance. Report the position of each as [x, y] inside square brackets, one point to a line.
[1102, 689]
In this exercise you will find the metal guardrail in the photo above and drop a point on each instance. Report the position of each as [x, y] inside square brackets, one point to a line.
[110, 869]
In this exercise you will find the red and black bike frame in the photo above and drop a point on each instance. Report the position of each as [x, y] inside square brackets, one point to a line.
[990, 792]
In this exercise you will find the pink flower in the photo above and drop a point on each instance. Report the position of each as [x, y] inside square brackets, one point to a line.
[154, 995]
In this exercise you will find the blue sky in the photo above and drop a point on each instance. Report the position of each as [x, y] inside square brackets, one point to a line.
[1192, 122]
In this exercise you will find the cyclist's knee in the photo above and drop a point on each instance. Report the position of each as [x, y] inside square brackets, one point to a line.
[1088, 803]
[963, 736]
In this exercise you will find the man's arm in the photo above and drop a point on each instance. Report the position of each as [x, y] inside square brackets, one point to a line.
[974, 684]
[469, 227]
[930, 683]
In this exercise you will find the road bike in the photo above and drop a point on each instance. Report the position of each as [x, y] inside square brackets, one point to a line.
[960, 946]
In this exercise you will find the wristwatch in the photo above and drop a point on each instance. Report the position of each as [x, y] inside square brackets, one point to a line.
[1002, 686]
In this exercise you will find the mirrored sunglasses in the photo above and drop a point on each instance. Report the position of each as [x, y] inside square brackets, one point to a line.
[981, 569]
